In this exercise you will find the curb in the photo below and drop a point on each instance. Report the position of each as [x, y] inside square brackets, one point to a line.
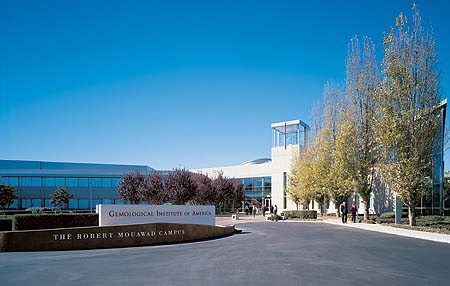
[437, 237]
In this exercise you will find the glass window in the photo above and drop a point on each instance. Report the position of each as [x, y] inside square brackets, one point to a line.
[116, 182]
[106, 182]
[72, 182]
[84, 182]
[25, 182]
[60, 182]
[14, 181]
[36, 182]
[107, 201]
[119, 202]
[49, 182]
[14, 205]
[36, 203]
[4, 181]
[26, 203]
[83, 204]
[96, 182]
[48, 203]
[95, 203]
[258, 182]
[248, 183]
[267, 182]
[73, 204]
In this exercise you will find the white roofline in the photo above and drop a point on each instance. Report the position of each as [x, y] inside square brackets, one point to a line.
[280, 124]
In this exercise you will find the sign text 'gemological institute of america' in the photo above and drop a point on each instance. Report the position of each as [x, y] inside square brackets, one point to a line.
[135, 214]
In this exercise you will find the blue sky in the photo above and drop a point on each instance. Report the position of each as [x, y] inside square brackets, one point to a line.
[176, 83]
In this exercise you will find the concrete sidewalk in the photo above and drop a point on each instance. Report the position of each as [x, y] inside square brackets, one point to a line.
[445, 238]
[227, 220]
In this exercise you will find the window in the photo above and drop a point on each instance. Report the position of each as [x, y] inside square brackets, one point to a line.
[14, 205]
[4, 181]
[96, 182]
[73, 204]
[107, 201]
[84, 182]
[36, 203]
[267, 182]
[83, 204]
[25, 182]
[48, 203]
[60, 182]
[14, 181]
[49, 182]
[26, 203]
[36, 182]
[96, 202]
[116, 182]
[72, 182]
[248, 183]
[106, 182]
[258, 182]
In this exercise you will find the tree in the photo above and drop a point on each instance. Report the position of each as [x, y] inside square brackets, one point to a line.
[329, 174]
[180, 187]
[224, 189]
[205, 193]
[132, 187]
[153, 190]
[301, 179]
[358, 134]
[409, 94]
[6, 196]
[237, 194]
[60, 198]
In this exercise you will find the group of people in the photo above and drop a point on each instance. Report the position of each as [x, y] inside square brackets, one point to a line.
[253, 209]
[272, 209]
[344, 212]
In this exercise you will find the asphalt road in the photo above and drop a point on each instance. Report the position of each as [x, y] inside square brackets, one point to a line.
[265, 253]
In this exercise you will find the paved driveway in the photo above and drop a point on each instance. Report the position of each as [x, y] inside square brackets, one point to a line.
[265, 253]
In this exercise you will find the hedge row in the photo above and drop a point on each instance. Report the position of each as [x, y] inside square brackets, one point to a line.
[48, 221]
[5, 224]
[303, 214]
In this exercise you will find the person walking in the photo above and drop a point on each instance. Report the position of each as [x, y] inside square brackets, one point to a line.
[344, 212]
[264, 209]
[271, 209]
[254, 210]
[275, 209]
[354, 211]
[250, 209]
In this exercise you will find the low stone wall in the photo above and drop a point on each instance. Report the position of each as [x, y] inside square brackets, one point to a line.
[108, 236]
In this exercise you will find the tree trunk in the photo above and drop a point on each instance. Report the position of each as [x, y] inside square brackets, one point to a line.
[232, 206]
[338, 210]
[412, 214]
[366, 210]
[324, 209]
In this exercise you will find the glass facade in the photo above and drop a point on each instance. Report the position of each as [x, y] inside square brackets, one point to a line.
[90, 184]
[36, 191]
[289, 133]
[256, 189]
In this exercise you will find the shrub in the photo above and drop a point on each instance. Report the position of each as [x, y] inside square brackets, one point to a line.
[388, 215]
[274, 217]
[303, 214]
[5, 224]
[48, 221]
